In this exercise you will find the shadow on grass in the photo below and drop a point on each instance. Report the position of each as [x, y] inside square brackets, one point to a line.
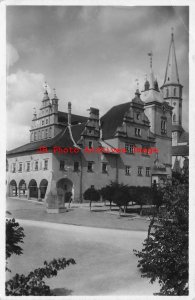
[98, 210]
[61, 292]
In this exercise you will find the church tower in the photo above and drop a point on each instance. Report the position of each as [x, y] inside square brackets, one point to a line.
[172, 91]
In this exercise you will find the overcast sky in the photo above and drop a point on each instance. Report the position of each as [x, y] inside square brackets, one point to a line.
[91, 55]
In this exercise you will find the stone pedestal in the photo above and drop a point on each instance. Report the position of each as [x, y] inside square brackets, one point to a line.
[55, 200]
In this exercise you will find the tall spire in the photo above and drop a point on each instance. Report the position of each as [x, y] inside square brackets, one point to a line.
[171, 74]
[151, 78]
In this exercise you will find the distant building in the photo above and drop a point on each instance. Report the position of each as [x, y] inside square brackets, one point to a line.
[172, 93]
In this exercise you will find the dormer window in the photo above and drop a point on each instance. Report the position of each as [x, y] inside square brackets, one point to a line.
[137, 132]
[90, 144]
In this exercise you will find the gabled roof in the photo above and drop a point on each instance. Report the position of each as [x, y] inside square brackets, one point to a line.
[180, 150]
[112, 119]
[63, 139]
[75, 119]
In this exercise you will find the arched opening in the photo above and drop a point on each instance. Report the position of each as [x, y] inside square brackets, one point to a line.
[22, 189]
[13, 192]
[43, 188]
[33, 190]
[64, 190]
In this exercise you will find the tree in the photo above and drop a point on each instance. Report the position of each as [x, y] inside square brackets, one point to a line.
[91, 194]
[117, 193]
[14, 236]
[106, 195]
[32, 284]
[142, 196]
[165, 253]
[157, 196]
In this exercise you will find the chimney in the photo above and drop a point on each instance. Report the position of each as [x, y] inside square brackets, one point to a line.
[69, 113]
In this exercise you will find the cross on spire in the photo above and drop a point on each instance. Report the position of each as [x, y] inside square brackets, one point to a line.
[46, 86]
[137, 81]
[150, 54]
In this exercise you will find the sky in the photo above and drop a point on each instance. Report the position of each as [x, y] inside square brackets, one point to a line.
[92, 56]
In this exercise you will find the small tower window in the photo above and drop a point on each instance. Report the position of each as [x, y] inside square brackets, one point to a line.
[50, 132]
[163, 126]
[46, 133]
[174, 118]
[167, 93]
[174, 92]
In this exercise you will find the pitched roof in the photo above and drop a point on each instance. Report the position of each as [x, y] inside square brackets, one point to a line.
[112, 119]
[180, 150]
[177, 128]
[75, 119]
[184, 137]
[63, 139]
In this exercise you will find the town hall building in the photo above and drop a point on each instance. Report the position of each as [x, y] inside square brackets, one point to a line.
[143, 122]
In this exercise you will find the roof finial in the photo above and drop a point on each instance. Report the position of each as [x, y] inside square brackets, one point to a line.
[150, 54]
[46, 86]
[137, 80]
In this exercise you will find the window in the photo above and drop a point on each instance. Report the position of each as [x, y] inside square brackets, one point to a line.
[138, 116]
[35, 136]
[46, 133]
[42, 122]
[42, 134]
[104, 168]
[129, 148]
[137, 131]
[76, 166]
[167, 95]
[163, 126]
[174, 118]
[14, 168]
[7, 166]
[90, 144]
[144, 150]
[50, 132]
[28, 166]
[147, 171]
[46, 121]
[45, 164]
[127, 170]
[174, 92]
[39, 135]
[90, 166]
[20, 167]
[139, 171]
[36, 165]
[62, 165]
